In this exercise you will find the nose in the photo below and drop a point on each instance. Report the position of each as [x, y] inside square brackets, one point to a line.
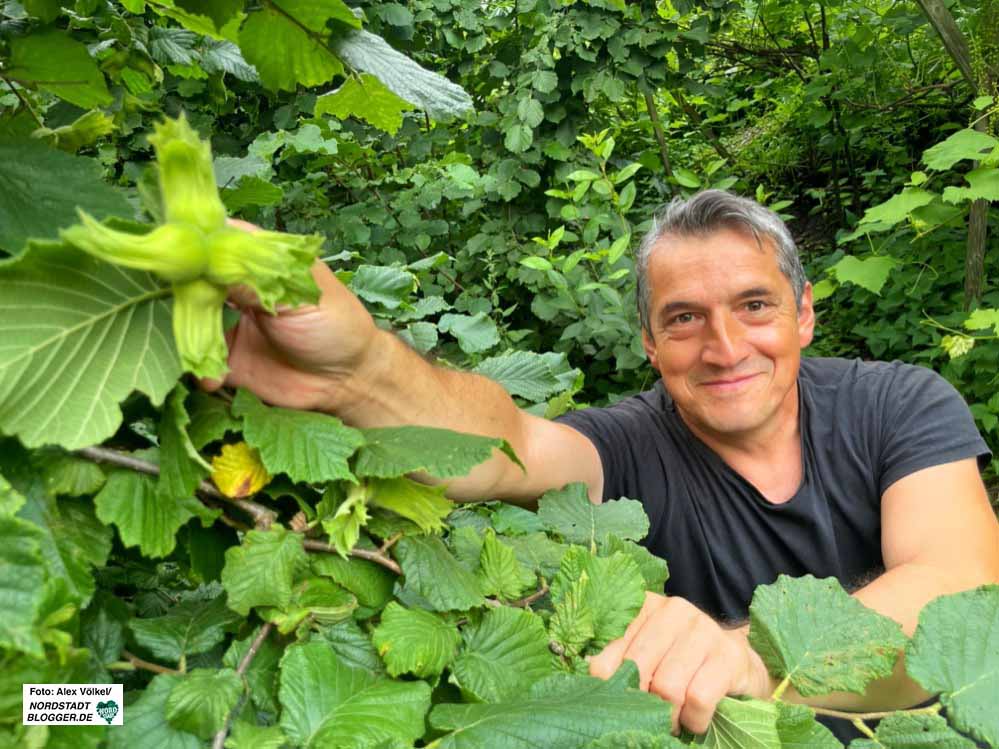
[723, 347]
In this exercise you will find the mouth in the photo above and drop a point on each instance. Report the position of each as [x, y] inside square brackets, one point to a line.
[727, 384]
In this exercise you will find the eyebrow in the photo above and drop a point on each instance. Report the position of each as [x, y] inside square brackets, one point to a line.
[681, 306]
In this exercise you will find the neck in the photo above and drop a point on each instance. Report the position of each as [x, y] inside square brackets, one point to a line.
[769, 457]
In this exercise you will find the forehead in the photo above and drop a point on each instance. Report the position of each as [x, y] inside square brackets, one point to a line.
[722, 260]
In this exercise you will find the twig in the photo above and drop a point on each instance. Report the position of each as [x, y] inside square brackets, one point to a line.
[520, 603]
[390, 542]
[137, 662]
[855, 717]
[371, 556]
[24, 102]
[263, 518]
[244, 664]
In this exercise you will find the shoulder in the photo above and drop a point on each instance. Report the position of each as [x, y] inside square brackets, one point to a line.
[892, 380]
[637, 411]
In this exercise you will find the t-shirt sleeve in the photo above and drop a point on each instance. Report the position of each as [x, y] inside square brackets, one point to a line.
[613, 432]
[925, 423]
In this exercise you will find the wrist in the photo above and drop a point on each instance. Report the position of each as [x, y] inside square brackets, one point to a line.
[350, 390]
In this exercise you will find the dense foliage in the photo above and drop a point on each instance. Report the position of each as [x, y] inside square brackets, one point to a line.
[311, 594]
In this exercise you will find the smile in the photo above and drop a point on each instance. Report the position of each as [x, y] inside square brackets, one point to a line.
[727, 385]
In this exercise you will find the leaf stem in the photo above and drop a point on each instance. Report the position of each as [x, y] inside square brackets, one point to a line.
[137, 662]
[244, 664]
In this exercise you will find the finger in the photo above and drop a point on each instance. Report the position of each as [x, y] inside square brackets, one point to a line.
[607, 661]
[239, 223]
[706, 689]
[677, 667]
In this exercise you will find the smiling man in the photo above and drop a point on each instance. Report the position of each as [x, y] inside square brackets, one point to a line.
[749, 460]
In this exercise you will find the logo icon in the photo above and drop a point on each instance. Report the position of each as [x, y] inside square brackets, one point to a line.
[107, 710]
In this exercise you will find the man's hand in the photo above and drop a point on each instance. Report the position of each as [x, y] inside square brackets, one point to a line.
[685, 657]
[297, 357]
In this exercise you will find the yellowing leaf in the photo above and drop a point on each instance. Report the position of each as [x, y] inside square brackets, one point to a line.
[238, 471]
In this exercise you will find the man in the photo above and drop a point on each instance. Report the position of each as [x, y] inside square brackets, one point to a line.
[749, 461]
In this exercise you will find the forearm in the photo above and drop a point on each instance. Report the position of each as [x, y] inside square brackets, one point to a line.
[900, 594]
[397, 386]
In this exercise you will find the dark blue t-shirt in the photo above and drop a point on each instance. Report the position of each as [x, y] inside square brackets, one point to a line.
[863, 425]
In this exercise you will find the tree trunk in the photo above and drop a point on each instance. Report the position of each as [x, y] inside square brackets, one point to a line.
[657, 127]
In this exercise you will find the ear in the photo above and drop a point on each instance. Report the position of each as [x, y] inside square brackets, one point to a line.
[650, 350]
[806, 317]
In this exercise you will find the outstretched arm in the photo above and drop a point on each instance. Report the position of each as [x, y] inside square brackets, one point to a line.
[939, 536]
[332, 357]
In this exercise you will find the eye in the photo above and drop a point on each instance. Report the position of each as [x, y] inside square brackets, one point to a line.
[682, 319]
[757, 305]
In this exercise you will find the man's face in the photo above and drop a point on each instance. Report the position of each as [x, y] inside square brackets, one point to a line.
[726, 333]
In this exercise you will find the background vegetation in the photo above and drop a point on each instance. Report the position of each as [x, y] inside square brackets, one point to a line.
[489, 222]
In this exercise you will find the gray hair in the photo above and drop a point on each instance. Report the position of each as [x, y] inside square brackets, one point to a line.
[705, 213]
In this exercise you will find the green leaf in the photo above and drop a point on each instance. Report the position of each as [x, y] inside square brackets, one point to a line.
[367, 98]
[325, 703]
[635, 740]
[431, 571]
[147, 724]
[286, 41]
[219, 11]
[609, 591]
[569, 513]
[897, 208]
[870, 273]
[211, 419]
[143, 516]
[11, 500]
[383, 284]
[369, 582]
[502, 656]
[429, 91]
[500, 573]
[251, 191]
[822, 640]
[654, 570]
[55, 62]
[561, 712]
[64, 473]
[475, 333]
[73, 541]
[798, 729]
[307, 446]
[315, 598]
[388, 452]
[262, 673]
[260, 571]
[44, 10]
[901, 731]
[955, 651]
[981, 319]
[523, 373]
[181, 466]
[21, 585]
[964, 144]
[983, 184]
[414, 642]
[40, 190]
[538, 552]
[743, 724]
[353, 647]
[102, 632]
[80, 336]
[535, 262]
[190, 627]
[200, 702]
[249, 736]
[510, 519]
[686, 178]
[424, 505]
[530, 112]
[344, 526]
